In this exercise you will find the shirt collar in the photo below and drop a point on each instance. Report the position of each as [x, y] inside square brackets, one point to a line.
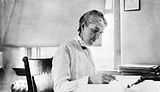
[82, 43]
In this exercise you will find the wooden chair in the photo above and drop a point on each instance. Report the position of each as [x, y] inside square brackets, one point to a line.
[36, 67]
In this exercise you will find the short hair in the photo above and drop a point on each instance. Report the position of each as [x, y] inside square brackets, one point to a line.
[89, 17]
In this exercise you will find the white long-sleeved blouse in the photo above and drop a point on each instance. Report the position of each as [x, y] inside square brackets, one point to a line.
[71, 66]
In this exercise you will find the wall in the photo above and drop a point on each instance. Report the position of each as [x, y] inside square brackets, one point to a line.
[140, 35]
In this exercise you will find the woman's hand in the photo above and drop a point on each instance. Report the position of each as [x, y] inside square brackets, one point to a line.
[100, 78]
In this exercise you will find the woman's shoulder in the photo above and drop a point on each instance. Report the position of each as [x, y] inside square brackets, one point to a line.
[70, 44]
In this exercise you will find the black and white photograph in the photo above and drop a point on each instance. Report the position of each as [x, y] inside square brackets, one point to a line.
[79, 46]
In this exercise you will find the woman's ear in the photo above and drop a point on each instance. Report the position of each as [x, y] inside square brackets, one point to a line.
[82, 27]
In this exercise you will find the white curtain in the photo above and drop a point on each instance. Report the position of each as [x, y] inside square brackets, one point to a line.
[41, 22]
[6, 13]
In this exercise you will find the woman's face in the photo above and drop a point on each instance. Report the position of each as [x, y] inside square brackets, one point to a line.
[91, 33]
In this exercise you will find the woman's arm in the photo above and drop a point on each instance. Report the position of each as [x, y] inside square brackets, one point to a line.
[61, 72]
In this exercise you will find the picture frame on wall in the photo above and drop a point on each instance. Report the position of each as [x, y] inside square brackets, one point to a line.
[131, 5]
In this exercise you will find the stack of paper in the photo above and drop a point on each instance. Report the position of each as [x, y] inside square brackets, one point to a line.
[136, 69]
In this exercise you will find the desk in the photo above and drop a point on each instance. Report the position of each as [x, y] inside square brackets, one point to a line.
[100, 88]
[121, 84]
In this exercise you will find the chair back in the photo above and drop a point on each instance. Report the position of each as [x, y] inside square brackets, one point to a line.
[36, 66]
[40, 65]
